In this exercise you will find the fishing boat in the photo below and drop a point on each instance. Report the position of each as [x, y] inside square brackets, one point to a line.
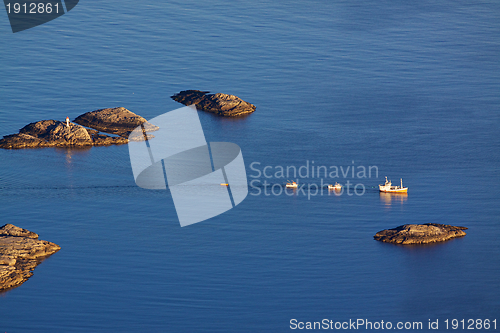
[388, 188]
[336, 187]
[291, 185]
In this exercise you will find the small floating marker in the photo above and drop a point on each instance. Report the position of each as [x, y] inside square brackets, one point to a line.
[224, 184]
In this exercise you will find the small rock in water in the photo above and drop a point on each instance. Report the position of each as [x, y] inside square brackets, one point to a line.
[220, 104]
[420, 233]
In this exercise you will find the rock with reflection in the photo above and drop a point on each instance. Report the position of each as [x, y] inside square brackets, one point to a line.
[20, 252]
[221, 104]
[420, 233]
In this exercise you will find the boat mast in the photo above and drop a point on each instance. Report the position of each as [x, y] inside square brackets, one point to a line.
[401, 182]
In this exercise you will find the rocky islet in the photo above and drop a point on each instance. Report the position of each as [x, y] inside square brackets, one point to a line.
[53, 133]
[221, 104]
[420, 233]
[120, 122]
[20, 252]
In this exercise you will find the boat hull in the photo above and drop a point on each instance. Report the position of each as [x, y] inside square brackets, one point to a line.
[399, 190]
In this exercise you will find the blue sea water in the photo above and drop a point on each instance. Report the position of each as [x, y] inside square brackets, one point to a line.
[411, 88]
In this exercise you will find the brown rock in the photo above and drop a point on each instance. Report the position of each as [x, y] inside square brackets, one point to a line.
[21, 140]
[106, 140]
[40, 128]
[188, 97]
[47, 133]
[52, 133]
[420, 233]
[220, 104]
[7, 261]
[118, 121]
[12, 230]
[20, 252]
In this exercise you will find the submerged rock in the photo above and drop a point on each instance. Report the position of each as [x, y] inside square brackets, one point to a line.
[220, 104]
[118, 121]
[53, 133]
[420, 233]
[20, 252]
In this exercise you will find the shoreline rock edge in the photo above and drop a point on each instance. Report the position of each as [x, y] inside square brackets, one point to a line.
[20, 252]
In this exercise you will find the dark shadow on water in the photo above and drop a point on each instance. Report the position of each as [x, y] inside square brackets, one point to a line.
[39, 261]
[213, 116]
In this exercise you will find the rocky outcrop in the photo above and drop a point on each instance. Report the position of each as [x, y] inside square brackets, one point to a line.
[220, 104]
[53, 133]
[420, 233]
[20, 252]
[118, 121]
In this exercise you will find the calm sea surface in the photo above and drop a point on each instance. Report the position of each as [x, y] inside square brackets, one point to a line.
[413, 89]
